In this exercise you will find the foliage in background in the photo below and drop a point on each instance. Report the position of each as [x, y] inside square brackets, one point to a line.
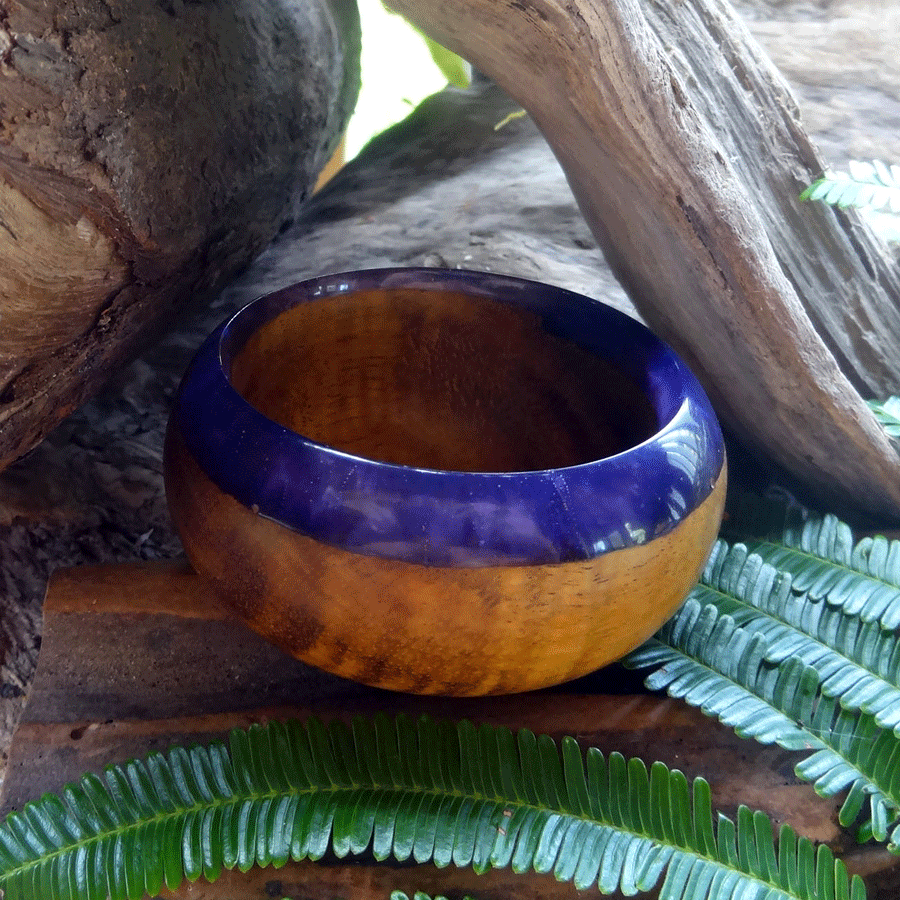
[420, 895]
[400, 68]
[453, 67]
[888, 414]
[871, 187]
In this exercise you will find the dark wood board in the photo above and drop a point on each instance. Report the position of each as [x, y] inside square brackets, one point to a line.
[140, 657]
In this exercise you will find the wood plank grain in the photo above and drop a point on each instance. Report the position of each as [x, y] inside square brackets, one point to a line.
[161, 587]
[138, 658]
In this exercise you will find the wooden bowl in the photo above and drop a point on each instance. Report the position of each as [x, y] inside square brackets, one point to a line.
[442, 481]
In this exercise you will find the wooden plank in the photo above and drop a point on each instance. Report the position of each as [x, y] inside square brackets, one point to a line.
[139, 658]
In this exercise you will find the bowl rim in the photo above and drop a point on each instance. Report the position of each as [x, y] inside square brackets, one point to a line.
[227, 435]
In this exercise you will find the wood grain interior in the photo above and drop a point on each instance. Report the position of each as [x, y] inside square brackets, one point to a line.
[439, 380]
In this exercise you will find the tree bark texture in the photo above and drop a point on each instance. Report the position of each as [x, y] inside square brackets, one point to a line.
[684, 149]
[148, 149]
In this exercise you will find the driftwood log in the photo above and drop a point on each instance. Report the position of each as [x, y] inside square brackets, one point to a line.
[685, 151]
[148, 149]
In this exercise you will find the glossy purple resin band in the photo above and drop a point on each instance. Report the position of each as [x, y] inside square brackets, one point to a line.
[459, 518]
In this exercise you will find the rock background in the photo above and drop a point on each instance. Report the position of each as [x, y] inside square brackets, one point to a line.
[442, 188]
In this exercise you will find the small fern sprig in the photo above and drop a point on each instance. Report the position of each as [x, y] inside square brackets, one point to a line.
[428, 791]
[819, 553]
[888, 414]
[874, 186]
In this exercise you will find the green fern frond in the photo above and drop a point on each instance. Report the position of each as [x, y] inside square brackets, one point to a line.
[428, 791]
[855, 661]
[874, 186]
[703, 657]
[796, 643]
[819, 552]
[888, 414]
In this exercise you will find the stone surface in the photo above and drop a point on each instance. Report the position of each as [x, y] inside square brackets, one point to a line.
[442, 188]
[843, 65]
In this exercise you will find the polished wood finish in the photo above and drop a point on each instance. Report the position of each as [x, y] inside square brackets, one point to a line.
[433, 630]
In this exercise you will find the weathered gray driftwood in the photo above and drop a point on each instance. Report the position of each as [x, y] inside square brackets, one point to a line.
[148, 149]
[685, 151]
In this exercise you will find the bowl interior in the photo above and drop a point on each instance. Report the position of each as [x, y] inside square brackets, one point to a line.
[438, 379]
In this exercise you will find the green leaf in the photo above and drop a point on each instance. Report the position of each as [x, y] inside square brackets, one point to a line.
[855, 661]
[421, 895]
[517, 800]
[452, 67]
[819, 554]
[888, 414]
[872, 185]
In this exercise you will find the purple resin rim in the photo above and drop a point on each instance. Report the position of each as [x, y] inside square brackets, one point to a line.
[445, 518]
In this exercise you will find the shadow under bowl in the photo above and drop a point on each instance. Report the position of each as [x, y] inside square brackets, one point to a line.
[444, 482]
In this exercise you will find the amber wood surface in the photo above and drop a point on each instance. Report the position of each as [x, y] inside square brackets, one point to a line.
[430, 629]
[439, 380]
[139, 657]
[686, 153]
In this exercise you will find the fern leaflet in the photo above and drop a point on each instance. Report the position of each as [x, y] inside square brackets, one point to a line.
[704, 658]
[778, 664]
[857, 662]
[420, 895]
[872, 185]
[888, 414]
[461, 794]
